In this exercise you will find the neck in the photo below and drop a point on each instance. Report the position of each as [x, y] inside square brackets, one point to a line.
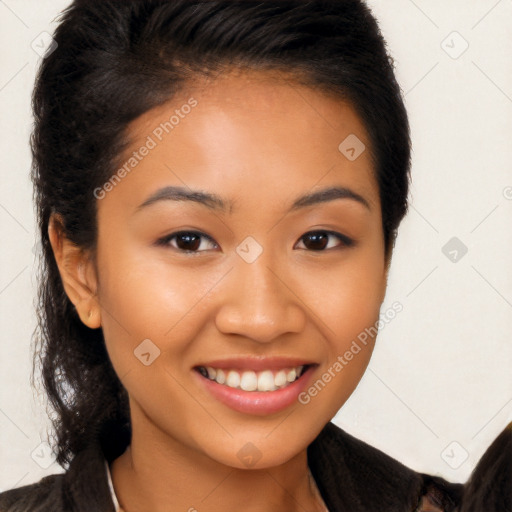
[157, 473]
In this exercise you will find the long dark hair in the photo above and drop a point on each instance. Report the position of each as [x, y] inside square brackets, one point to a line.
[115, 60]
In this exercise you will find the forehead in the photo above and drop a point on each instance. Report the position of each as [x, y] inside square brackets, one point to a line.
[271, 97]
[252, 131]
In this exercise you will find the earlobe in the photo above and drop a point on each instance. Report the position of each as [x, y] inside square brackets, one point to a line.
[77, 272]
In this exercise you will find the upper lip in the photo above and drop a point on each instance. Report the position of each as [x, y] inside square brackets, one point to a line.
[256, 363]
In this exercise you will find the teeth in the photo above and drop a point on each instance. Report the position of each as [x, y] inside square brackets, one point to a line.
[266, 380]
[249, 381]
[220, 376]
[233, 380]
[280, 379]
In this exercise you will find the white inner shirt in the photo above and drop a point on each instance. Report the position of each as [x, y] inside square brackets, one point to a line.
[111, 487]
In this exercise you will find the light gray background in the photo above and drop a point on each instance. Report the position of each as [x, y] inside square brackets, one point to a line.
[439, 386]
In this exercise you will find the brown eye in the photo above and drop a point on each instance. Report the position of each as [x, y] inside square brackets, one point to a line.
[322, 240]
[188, 241]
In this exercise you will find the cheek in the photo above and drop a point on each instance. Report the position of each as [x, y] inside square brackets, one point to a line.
[347, 304]
[149, 299]
[347, 301]
[350, 320]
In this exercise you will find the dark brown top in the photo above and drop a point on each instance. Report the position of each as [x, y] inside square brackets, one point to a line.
[351, 475]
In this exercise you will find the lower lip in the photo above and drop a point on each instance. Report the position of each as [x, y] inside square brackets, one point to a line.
[257, 402]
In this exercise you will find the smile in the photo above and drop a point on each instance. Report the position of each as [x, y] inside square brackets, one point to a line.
[257, 386]
[249, 380]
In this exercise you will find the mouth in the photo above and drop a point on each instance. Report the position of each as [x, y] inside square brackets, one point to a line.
[253, 381]
[255, 386]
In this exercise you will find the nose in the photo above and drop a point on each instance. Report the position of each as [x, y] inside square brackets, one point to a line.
[260, 303]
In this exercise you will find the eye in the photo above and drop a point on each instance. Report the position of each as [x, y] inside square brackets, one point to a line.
[321, 240]
[188, 241]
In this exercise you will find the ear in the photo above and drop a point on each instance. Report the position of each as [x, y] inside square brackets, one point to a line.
[77, 272]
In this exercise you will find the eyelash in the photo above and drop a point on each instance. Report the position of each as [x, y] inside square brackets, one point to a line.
[165, 241]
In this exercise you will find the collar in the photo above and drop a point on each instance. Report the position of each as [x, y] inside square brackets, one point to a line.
[115, 501]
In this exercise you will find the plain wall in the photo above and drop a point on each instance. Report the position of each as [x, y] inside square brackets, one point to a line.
[439, 386]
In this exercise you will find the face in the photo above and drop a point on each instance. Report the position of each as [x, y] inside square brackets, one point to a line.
[239, 256]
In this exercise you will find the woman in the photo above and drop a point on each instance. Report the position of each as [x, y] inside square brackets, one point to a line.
[219, 185]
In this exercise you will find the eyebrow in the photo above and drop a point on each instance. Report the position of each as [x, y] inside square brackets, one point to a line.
[216, 203]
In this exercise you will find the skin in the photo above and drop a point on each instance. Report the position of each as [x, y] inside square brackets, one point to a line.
[259, 141]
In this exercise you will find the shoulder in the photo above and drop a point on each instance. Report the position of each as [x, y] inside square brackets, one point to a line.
[41, 496]
[350, 471]
[82, 488]
[489, 487]
[358, 476]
